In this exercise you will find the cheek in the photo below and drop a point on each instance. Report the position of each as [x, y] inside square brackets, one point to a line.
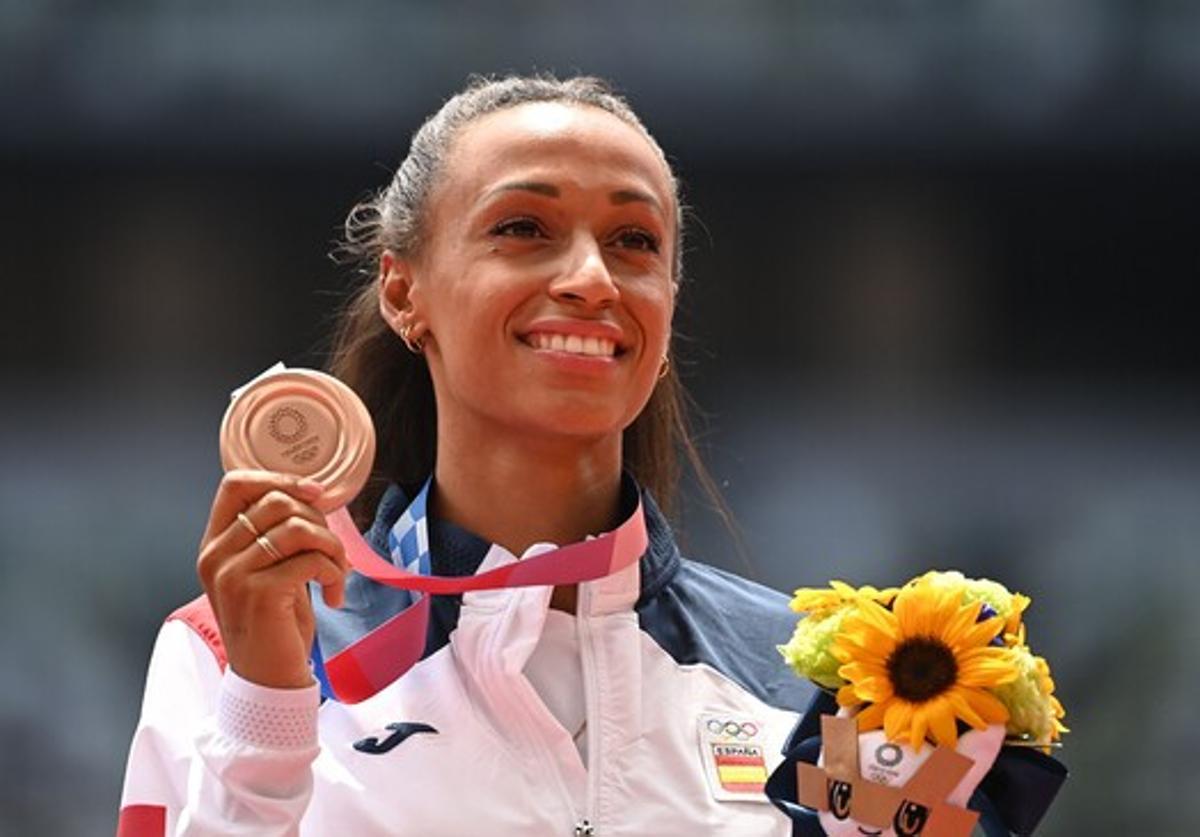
[475, 316]
[654, 312]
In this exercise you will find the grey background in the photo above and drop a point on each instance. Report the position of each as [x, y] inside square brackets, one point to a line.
[936, 317]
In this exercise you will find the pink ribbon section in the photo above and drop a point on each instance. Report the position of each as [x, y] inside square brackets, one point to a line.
[571, 564]
[381, 656]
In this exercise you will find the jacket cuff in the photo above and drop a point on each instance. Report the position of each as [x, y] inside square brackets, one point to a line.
[259, 716]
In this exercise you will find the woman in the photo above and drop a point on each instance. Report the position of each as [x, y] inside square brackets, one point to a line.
[512, 346]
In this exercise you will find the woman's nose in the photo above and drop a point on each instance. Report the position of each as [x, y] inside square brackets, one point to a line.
[586, 277]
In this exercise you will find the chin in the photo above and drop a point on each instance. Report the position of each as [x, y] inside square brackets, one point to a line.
[584, 418]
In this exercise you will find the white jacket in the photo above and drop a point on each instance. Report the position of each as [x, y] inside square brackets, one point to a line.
[668, 666]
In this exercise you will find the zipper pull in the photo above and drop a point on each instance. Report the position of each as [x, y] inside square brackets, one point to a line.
[583, 828]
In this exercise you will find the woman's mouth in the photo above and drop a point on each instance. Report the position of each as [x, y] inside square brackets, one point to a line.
[572, 344]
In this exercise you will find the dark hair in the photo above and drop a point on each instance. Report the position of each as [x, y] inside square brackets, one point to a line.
[395, 384]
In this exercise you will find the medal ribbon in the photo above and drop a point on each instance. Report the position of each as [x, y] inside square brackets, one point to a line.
[384, 654]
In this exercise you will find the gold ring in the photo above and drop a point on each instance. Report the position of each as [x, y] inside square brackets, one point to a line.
[269, 547]
[245, 521]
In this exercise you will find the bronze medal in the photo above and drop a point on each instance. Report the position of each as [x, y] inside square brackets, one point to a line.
[303, 422]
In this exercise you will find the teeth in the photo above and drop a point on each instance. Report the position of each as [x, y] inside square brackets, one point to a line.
[574, 344]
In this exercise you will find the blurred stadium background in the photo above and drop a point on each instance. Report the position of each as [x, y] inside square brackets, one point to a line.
[936, 316]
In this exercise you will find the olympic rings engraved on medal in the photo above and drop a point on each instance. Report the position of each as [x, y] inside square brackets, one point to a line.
[306, 455]
[743, 731]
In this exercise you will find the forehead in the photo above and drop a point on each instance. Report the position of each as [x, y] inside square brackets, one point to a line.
[583, 144]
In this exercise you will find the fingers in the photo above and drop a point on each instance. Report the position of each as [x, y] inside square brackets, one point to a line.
[236, 552]
[300, 569]
[260, 594]
[318, 567]
[270, 511]
[290, 527]
[246, 580]
[295, 535]
[240, 489]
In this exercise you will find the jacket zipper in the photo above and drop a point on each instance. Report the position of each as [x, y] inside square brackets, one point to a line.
[529, 732]
[585, 827]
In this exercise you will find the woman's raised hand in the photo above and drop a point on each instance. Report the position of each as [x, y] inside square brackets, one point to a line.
[263, 544]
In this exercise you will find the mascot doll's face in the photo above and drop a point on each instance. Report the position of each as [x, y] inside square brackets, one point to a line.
[866, 785]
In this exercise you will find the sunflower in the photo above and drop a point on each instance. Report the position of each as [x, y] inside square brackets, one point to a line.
[993, 594]
[923, 664]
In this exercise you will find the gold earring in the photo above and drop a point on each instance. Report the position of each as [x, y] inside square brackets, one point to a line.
[665, 368]
[414, 344]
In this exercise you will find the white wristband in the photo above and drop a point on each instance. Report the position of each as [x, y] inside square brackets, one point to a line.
[280, 719]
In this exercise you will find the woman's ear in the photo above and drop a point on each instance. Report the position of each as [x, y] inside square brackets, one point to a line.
[395, 291]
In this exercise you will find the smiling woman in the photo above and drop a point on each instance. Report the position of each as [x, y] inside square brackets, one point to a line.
[512, 345]
[537, 236]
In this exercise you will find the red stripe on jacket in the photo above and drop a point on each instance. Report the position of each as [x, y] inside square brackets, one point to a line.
[142, 821]
[198, 615]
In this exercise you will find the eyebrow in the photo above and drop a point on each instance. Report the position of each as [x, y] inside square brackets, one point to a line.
[547, 189]
[617, 198]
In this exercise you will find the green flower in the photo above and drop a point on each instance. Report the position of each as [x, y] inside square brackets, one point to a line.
[808, 650]
[1034, 712]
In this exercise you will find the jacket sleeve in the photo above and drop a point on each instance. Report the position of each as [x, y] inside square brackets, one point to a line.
[214, 754]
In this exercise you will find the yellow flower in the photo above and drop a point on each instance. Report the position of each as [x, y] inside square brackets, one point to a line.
[1015, 638]
[814, 600]
[922, 665]
[1013, 624]
[1008, 605]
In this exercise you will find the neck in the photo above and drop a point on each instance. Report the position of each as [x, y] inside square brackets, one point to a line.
[516, 491]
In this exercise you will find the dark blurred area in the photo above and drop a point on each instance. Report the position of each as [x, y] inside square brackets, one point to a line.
[936, 316]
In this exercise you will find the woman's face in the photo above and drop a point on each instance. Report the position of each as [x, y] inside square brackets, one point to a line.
[545, 285]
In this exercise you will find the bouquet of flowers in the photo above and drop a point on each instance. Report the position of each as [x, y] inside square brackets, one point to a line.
[942, 660]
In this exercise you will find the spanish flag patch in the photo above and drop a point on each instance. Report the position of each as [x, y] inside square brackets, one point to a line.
[734, 761]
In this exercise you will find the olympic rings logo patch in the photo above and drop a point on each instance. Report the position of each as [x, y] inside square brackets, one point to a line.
[740, 731]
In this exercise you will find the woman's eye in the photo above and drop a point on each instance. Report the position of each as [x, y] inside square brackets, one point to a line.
[635, 239]
[518, 228]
